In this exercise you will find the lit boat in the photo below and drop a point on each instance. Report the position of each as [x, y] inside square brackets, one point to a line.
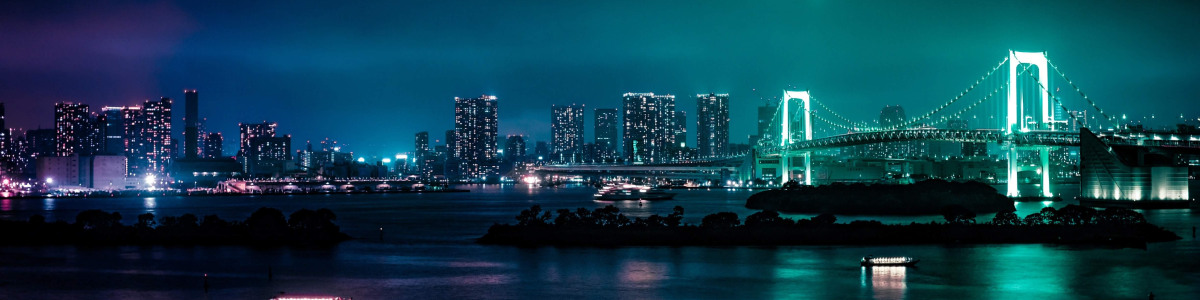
[631, 192]
[871, 261]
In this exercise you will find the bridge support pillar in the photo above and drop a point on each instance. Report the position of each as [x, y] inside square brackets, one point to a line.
[808, 168]
[1046, 172]
[785, 168]
[1012, 172]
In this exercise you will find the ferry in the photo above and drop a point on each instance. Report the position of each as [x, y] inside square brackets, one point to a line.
[631, 192]
[871, 261]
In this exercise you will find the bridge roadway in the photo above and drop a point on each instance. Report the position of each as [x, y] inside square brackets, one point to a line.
[1029, 138]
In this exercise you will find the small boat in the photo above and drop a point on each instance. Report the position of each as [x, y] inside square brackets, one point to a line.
[871, 261]
[632, 192]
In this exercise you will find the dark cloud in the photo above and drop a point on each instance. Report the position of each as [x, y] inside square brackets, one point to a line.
[372, 73]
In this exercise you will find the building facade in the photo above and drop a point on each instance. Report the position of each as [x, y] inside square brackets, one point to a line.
[475, 130]
[712, 125]
[605, 131]
[566, 133]
[648, 127]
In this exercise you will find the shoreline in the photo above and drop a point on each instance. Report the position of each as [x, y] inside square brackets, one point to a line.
[208, 195]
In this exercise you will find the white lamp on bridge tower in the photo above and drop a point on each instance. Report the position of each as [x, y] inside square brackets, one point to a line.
[786, 136]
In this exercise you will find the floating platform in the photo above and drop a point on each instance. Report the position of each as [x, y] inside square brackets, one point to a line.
[1150, 204]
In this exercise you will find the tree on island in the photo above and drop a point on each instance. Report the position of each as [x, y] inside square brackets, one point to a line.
[824, 219]
[767, 218]
[957, 214]
[1007, 218]
[720, 220]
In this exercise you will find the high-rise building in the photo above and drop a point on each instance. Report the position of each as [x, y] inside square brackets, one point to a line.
[566, 133]
[475, 128]
[424, 155]
[213, 143]
[191, 129]
[648, 127]
[541, 150]
[606, 133]
[889, 117]
[114, 130]
[712, 124]
[678, 148]
[5, 142]
[158, 121]
[250, 131]
[449, 158]
[514, 148]
[765, 115]
[72, 125]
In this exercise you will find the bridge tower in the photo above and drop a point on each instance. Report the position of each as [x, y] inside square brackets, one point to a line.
[1019, 122]
[785, 159]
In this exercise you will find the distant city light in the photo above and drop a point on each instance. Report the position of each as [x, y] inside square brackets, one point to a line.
[387, 160]
[360, 159]
[401, 156]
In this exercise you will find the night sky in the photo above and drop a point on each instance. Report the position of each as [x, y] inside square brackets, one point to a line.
[371, 75]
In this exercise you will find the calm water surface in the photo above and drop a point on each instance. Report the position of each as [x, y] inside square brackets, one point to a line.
[427, 252]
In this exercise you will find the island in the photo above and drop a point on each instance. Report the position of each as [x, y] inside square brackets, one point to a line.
[607, 227]
[922, 198]
[265, 227]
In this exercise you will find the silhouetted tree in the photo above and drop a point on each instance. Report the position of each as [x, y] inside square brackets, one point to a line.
[1077, 215]
[267, 223]
[675, 217]
[1121, 216]
[95, 218]
[957, 214]
[145, 220]
[720, 220]
[824, 219]
[1034, 219]
[188, 221]
[764, 218]
[37, 219]
[1007, 218]
[533, 217]
[1050, 216]
[791, 185]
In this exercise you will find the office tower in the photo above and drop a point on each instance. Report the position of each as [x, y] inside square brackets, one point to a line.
[271, 148]
[712, 124]
[114, 130]
[766, 114]
[678, 147]
[158, 122]
[213, 142]
[250, 131]
[566, 132]
[514, 148]
[423, 155]
[541, 150]
[41, 142]
[606, 133]
[891, 117]
[647, 126]
[475, 127]
[5, 140]
[72, 125]
[191, 129]
[449, 159]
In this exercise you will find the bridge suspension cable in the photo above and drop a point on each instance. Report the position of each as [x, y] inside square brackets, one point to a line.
[947, 104]
[1085, 97]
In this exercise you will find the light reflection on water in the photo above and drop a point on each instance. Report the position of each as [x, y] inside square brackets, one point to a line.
[886, 282]
[430, 254]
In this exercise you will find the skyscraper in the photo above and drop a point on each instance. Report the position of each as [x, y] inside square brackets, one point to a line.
[114, 130]
[250, 131]
[678, 149]
[191, 129]
[606, 133]
[514, 148]
[891, 116]
[475, 127]
[712, 124]
[765, 115]
[158, 122]
[648, 126]
[213, 144]
[424, 156]
[72, 125]
[541, 150]
[566, 132]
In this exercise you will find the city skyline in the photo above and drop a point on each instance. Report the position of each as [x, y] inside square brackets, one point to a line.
[328, 76]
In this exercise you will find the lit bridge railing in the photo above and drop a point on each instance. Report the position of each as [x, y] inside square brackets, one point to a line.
[1030, 138]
